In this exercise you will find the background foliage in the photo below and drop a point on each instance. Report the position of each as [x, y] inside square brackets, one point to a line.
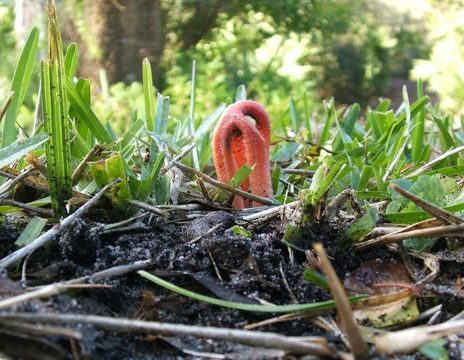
[443, 67]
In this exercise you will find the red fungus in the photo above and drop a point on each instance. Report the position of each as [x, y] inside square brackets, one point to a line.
[239, 140]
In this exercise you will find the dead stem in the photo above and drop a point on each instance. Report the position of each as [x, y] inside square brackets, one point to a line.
[429, 165]
[77, 173]
[211, 230]
[381, 230]
[358, 346]
[268, 213]
[298, 171]
[216, 269]
[204, 191]
[6, 104]
[37, 163]
[45, 291]
[9, 184]
[56, 288]
[74, 351]
[32, 181]
[412, 268]
[116, 225]
[431, 261]
[278, 319]
[179, 157]
[224, 186]
[294, 345]
[43, 329]
[438, 231]
[184, 207]
[34, 209]
[113, 271]
[405, 341]
[427, 206]
[150, 208]
[287, 286]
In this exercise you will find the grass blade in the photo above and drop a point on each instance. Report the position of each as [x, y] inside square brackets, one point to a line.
[322, 182]
[70, 60]
[322, 305]
[16, 150]
[19, 85]
[86, 114]
[162, 115]
[146, 185]
[241, 93]
[330, 116]
[148, 95]
[366, 174]
[294, 115]
[411, 217]
[446, 140]
[191, 118]
[346, 127]
[31, 231]
[417, 140]
[307, 118]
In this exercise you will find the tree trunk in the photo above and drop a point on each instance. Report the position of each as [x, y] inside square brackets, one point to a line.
[125, 32]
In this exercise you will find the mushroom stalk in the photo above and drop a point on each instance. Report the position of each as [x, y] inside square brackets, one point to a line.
[242, 136]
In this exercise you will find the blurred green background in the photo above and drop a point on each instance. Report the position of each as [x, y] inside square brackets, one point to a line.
[352, 50]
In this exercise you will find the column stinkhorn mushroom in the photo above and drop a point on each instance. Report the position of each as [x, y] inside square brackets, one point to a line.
[242, 136]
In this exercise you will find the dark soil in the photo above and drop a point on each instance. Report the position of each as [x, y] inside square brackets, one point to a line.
[220, 265]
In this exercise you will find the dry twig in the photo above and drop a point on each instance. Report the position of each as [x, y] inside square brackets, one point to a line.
[29, 180]
[34, 209]
[9, 184]
[6, 104]
[43, 329]
[56, 288]
[358, 346]
[276, 210]
[429, 165]
[77, 173]
[408, 340]
[294, 345]
[224, 186]
[150, 208]
[436, 231]
[45, 291]
[179, 157]
[433, 209]
[298, 171]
